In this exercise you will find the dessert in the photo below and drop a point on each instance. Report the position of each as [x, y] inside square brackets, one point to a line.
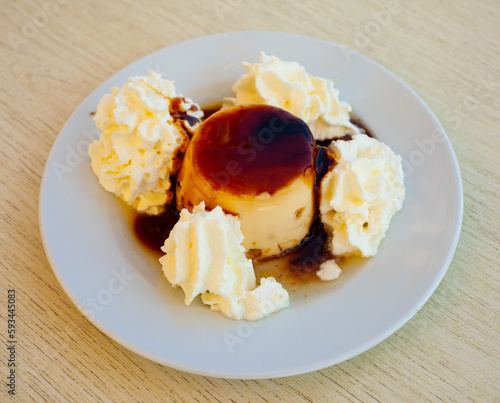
[361, 194]
[145, 126]
[204, 255]
[287, 85]
[256, 162]
[253, 182]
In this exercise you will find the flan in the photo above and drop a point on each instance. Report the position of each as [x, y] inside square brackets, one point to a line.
[257, 162]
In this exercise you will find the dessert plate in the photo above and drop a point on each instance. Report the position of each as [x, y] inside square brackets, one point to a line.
[119, 287]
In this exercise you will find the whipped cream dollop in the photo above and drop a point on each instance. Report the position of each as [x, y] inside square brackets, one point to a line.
[361, 194]
[204, 255]
[268, 297]
[145, 125]
[287, 85]
[329, 270]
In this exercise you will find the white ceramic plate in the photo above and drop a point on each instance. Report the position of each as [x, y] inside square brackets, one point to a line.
[120, 287]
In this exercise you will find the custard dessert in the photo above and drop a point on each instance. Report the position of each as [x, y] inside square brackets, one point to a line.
[258, 163]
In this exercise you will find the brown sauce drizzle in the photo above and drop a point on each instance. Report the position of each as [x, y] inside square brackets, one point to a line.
[301, 263]
[177, 111]
[210, 110]
[348, 137]
[359, 123]
[153, 230]
[326, 143]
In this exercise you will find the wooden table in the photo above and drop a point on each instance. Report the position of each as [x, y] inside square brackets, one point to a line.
[55, 52]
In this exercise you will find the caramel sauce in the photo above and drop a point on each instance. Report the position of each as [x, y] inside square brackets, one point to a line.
[300, 264]
[176, 111]
[210, 110]
[152, 230]
[348, 137]
[264, 147]
[359, 123]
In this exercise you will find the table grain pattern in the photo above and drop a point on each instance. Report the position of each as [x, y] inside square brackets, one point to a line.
[55, 52]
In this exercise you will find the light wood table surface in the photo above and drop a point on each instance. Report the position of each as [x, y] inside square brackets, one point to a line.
[55, 52]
